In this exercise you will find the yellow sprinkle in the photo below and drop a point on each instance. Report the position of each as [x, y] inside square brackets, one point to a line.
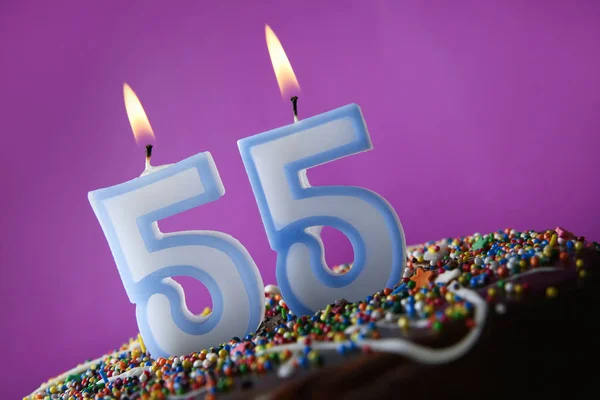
[518, 288]
[419, 296]
[582, 273]
[578, 246]
[313, 355]
[449, 297]
[551, 291]
[205, 312]
[141, 341]
[403, 322]
[491, 292]
[159, 374]
[553, 240]
[579, 263]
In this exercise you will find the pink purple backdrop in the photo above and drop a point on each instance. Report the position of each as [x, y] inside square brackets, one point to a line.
[482, 116]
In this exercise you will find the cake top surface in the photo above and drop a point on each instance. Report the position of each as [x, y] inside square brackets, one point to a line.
[433, 316]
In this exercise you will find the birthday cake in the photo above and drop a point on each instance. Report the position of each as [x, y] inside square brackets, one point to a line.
[507, 314]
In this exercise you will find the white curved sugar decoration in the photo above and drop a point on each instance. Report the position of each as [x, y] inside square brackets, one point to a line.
[447, 276]
[425, 355]
[189, 395]
[428, 355]
[137, 371]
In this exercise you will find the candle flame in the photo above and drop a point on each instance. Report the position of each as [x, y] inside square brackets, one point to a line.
[142, 131]
[286, 79]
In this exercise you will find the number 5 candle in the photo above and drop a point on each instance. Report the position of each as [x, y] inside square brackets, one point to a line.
[147, 259]
[293, 212]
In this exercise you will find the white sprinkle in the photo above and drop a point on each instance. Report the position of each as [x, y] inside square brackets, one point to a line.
[509, 287]
[286, 369]
[500, 308]
[143, 378]
[419, 306]
[198, 363]
[272, 289]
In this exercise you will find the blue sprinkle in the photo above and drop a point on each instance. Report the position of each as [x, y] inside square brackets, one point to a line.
[303, 361]
[399, 288]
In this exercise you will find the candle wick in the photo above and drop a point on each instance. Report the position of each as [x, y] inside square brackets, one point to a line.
[148, 155]
[294, 100]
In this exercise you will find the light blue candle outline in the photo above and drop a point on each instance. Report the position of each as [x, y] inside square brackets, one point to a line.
[282, 240]
[140, 292]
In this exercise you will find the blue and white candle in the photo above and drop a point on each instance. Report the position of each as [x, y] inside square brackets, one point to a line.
[293, 212]
[147, 259]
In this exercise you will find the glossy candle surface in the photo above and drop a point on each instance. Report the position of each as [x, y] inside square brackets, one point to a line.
[293, 212]
[148, 259]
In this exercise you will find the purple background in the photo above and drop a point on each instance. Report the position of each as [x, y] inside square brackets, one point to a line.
[482, 117]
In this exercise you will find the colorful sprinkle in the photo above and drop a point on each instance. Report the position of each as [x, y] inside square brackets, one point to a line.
[491, 264]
